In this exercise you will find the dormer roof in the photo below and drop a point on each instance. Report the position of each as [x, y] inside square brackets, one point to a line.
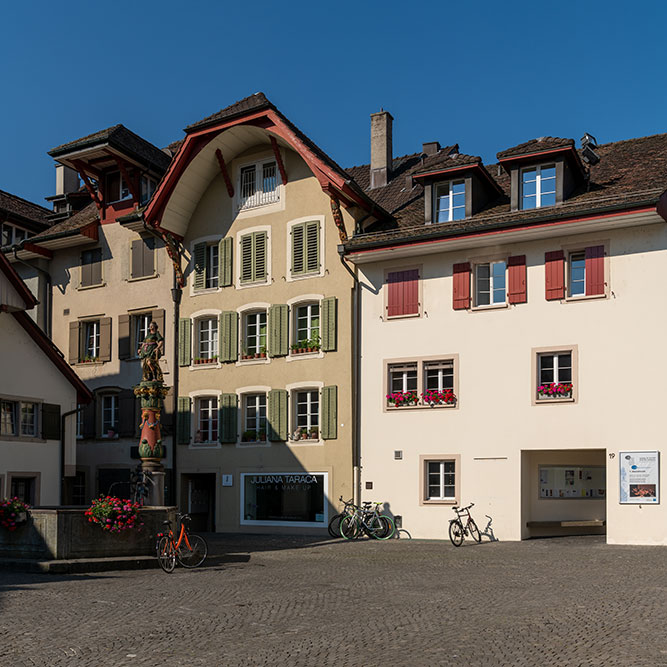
[535, 146]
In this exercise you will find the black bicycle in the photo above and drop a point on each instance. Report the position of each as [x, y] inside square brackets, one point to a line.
[463, 525]
[334, 524]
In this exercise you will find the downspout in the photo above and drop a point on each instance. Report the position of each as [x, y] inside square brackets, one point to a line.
[356, 379]
[49, 296]
[176, 293]
[62, 449]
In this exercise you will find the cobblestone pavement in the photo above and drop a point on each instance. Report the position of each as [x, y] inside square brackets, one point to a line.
[303, 601]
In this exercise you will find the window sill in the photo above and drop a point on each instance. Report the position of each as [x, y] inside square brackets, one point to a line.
[305, 441]
[304, 276]
[205, 290]
[403, 408]
[20, 438]
[107, 437]
[253, 361]
[263, 283]
[428, 501]
[140, 278]
[407, 316]
[89, 363]
[548, 401]
[199, 367]
[491, 306]
[305, 355]
[87, 287]
[254, 443]
[584, 297]
[205, 445]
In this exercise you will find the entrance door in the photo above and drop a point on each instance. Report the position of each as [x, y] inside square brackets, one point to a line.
[200, 500]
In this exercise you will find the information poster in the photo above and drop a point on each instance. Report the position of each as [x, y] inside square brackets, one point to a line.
[560, 482]
[640, 478]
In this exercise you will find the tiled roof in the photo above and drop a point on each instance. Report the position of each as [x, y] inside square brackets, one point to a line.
[23, 208]
[124, 140]
[250, 103]
[535, 146]
[79, 220]
[447, 161]
[630, 173]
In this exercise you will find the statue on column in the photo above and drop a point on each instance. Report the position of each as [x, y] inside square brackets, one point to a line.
[150, 351]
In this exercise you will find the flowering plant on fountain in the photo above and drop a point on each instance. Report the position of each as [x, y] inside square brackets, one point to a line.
[114, 514]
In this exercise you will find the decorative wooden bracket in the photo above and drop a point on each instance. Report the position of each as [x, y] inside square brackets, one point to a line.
[175, 257]
[80, 167]
[225, 173]
[279, 159]
[338, 220]
[131, 183]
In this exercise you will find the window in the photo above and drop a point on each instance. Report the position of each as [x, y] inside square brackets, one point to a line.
[402, 293]
[91, 267]
[109, 419]
[142, 258]
[441, 480]
[450, 201]
[29, 419]
[490, 283]
[586, 273]
[8, 420]
[12, 235]
[79, 495]
[79, 423]
[423, 383]
[141, 324]
[207, 339]
[307, 327]
[307, 414]
[254, 335]
[258, 185]
[207, 420]
[23, 488]
[254, 418]
[577, 274]
[306, 248]
[254, 254]
[212, 266]
[117, 189]
[91, 342]
[554, 379]
[148, 186]
[538, 186]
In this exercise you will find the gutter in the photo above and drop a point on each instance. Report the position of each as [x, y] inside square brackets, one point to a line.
[63, 417]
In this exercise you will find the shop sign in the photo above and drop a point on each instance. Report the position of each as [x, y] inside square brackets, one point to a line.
[639, 477]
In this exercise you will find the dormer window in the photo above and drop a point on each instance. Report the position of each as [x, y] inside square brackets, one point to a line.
[148, 186]
[117, 189]
[450, 201]
[538, 186]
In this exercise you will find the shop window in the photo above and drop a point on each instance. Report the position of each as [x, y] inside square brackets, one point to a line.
[306, 414]
[254, 418]
[285, 499]
[207, 420]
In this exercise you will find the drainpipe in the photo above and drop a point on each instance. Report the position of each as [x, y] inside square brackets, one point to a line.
[63, 417]
[176, 293]
[48, 319]
[356, 379]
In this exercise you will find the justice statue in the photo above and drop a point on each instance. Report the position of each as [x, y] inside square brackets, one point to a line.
[150, 351]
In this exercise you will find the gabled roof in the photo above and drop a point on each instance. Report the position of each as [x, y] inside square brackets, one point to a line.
[122, 139]
[535, 146]
[251, 103]
[22, 208]
[80, 219]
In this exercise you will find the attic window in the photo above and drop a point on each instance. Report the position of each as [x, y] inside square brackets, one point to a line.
[450, 201]
[538, 186]
[258, 185]
[117, 189]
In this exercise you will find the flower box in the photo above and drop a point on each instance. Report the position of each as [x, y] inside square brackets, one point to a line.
[200, 361]
[554, 390]
[401, 399]
[13, 513]
[435, 397]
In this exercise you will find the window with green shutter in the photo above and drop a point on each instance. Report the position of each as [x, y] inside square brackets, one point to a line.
[329, 409]
[254, 257]
[225, 251]
[228, 417]
[306, 248]
[277, 423]
[184, 345]
[278, 330]
[206, 267]
[199, 266]
[328, 328]
[183, 433]
[228, 336]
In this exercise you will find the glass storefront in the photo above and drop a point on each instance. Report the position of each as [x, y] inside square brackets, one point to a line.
[291, 498]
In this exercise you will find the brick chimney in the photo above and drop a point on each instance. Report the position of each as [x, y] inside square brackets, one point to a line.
[381, 150]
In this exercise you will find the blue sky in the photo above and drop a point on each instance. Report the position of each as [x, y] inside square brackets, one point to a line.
[487, 75]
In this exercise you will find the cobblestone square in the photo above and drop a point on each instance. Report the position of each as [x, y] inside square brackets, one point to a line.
[267, 600]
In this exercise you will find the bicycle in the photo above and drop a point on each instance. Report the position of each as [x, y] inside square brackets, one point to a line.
[457, 529]
[369, 521]
[190, 550]
[139, 489]
[334, 524]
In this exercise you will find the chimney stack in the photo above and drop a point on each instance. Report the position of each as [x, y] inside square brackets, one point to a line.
[381, 149]
[67, 180]
[431, 147]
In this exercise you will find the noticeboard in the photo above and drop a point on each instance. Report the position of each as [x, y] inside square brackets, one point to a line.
[639, 478]
[572, 482]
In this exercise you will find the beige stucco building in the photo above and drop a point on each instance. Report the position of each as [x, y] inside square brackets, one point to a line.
[510, 350]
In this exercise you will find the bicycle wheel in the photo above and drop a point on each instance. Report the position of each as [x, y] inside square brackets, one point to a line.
[474, 531]
[165, 554]
[349, 527]
[195, 555]
[382, 527]
[334, 525]
[456, 533]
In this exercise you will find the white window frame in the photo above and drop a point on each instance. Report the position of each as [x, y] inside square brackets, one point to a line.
[309, 424]
[579, 254]
[212, 278]
[91, 330]
[538, 185]
[440, 366]
[209, 412]
[141, 326]
[492, 288]
[14, 418]
[441, 474]
[536, 355]
[309, 321]
[255, 314]
[239, 264]
[288, 248]
[245, 400]
[112, 425]
[259, 198]
[207, 337]
[396, 368]
[449, 186]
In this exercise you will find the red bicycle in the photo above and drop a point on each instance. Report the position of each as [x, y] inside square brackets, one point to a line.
[189, 550]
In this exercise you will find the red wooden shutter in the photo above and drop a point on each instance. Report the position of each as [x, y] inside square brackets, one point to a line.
[517, 279]
[461, 297]
[595, 270]
[403, 293]
[554, 273]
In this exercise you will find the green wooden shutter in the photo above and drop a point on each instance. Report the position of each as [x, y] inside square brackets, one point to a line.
[329, 412]
[184, 417]
[225, 251]
[74, 342]
[228, 336]
[278, 330]
[124, 339]
[184, 347]
[105, 339]
[259, 251]
[228, 417]
[277, 414]
[246, 258]
[200, 265]
[312, 250]
[297, 249]
[328, 329]
[51, 421]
